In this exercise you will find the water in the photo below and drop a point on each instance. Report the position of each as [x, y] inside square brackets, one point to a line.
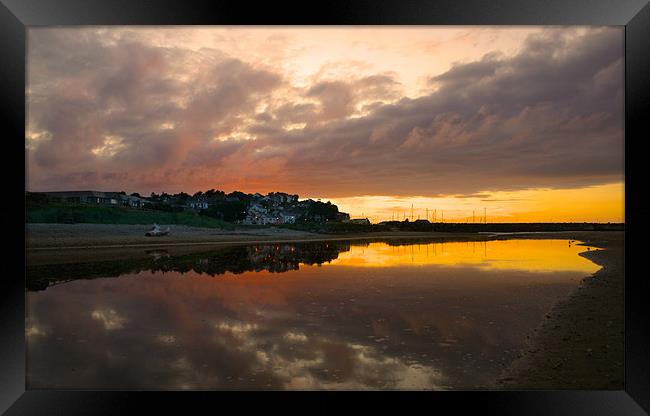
[328, 315]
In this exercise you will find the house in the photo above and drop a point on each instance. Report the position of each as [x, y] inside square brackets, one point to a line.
[87, 197]
[133, 201]
[290, 215]
[197, 204]
[98, 198]
[263, 219]
[278, 198]
[342, 217]
[359, 221]
[288, 219]
[256, 209]
[271, 219]
[258, 214]
[255, 214]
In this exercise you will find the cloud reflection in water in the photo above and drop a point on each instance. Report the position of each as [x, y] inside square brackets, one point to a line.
[428, 326]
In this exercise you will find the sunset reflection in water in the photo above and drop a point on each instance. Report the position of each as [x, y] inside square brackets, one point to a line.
[364, 316]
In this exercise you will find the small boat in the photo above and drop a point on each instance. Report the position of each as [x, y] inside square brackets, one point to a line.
[155, 231]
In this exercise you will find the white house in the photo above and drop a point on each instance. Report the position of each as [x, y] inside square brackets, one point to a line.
[289, 219]
[196, 204]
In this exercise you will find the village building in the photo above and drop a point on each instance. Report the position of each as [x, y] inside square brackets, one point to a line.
[273, 209]
[87, 197]
[267, 212]
[342, 216]
[98, 198]
[133, 201]
[255, 214]
[197, 204]
[289, 219]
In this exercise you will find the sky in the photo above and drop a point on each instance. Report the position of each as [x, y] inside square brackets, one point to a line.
[507, 123]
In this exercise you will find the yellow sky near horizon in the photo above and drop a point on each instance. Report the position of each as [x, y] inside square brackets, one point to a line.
[603, 203]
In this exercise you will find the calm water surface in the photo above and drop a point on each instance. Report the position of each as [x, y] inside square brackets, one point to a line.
[328, 315]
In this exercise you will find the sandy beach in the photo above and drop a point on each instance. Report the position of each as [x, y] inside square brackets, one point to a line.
[96, 239]
[62, 236]
[580, 345]
[75, 236]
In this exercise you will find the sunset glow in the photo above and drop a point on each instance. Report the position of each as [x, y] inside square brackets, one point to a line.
[603, 203]
[470, 124]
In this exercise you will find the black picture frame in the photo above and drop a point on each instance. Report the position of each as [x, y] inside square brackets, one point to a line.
[17, 15]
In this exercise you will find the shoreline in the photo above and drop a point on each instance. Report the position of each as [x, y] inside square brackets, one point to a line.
[88, 253]
[52, 237]
[580, 344]
[48, 243]
[65, 243]
[270, 239]
[313, 237]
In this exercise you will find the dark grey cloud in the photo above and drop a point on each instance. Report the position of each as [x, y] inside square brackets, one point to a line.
[551, 116]
[112, 112]
[85, 91]
[339, 99]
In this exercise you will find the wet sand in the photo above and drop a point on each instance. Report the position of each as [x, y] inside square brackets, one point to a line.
[74, 240]
[580, 345]
[61, 236]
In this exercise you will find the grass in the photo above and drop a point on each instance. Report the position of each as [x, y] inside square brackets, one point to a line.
[74, 213]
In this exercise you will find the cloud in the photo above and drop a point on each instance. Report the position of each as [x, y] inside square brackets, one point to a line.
[339, 99]
[543, 118]
[109, 111]
[134, 109]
